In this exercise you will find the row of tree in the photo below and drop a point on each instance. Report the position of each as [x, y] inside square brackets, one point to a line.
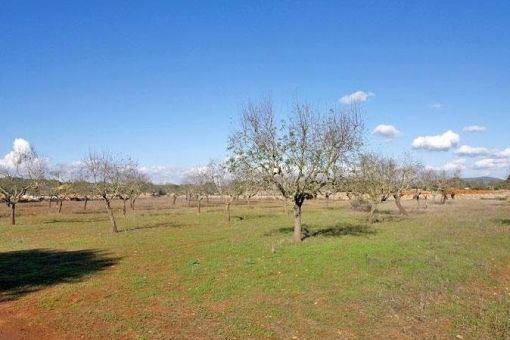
[300, 155]
[99, 176]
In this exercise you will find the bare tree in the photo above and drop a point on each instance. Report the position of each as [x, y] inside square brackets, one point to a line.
[403, 174]
[83, 191]
[19, 178]
[443, 182]
[174, 198]
[198, 186]
[106, 173]
[298, 157]
[61, 185]
[372, 180]
[138, 183]
[134, 184]
[220, 176]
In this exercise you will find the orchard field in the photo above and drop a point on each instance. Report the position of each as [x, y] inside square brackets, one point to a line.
[171, 272]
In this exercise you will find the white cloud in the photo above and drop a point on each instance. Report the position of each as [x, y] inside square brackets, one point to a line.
[503, 154]
[388, 131]
[469, 151]
[437, 106]
[166, 174]
[492, 163]
[441, 142]
[21, 148]
[456, 164]
[474, 128]
[356, 97]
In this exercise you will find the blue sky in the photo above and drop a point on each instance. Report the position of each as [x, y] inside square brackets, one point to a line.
[161, 81]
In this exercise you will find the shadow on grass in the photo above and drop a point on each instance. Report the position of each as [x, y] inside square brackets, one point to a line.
[505, 221]
[155, 225]
[26, 271]
[76, 220]
[341, 229]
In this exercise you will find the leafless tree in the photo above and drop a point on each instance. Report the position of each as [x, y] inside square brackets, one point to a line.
[299, 156]
[83, 191]
[372, 180]
[106, 173]
[19, 178]
[198, 185]
[403, 174]
[61, 185]
[222, 180]
[443, 182]
[134, 184]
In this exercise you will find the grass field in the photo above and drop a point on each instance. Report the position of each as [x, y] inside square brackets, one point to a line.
[442, 272]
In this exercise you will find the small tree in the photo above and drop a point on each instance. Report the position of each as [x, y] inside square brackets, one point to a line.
[299, 156]
[20, 176]
[444, 182]
[106, 173]
[403, 175]
[61, 185]
[134, 184]
[83, 191]
[198, 185]
[372, 179]
[222, 180]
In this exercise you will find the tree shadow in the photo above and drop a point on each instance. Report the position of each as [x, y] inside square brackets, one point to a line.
[155, 225]
[76, 220]
[340, 229]
[26, 271]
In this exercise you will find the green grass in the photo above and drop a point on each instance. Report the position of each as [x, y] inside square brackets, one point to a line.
[441, 272]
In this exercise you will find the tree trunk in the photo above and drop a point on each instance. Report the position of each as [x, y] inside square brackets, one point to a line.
[13, 213]
[444, 197]
[227, 210]
[174, 198]
[399, 205]
[49, 203]
[297, 224]
[133, 201]
[60, 206]
[199, 200]
[85, 204]
[112, 218]
[327, 201]
[285, 206]
[124, 208]
[373, 208]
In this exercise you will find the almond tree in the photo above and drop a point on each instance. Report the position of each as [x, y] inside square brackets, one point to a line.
[19, 177]
[403, 174]
[61, 183]
[221, 178]
[137, 183]
[106, 174]
[372, 179]
[198, 185]
[299, 156]
[134, 184]
[83, 191]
